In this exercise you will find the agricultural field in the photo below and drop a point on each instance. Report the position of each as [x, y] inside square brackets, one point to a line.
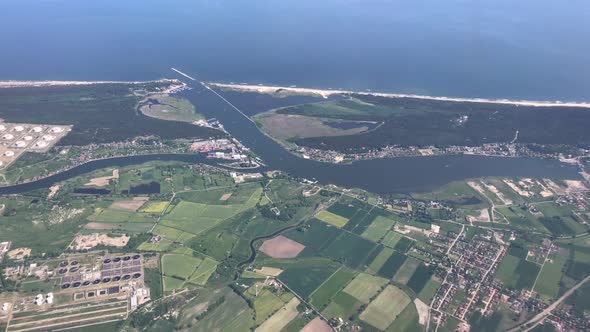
[515, 271]
[383, 311]
[180, 269]
[323, 294]
[305, 276]
[365, 286]
[378, 228]
[332, 218]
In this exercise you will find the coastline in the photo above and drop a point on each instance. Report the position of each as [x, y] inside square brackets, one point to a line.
[270, 89]
[25, 84]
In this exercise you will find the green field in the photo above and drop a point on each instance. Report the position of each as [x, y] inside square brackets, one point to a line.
[166, 232]
[378, 228]
[406, 271]
[265, 304]
[154, 207]
[322, 295]
[204, 271]
[428, 291]
[342, 305]
[365, 286]
[281, 318]
[305, 276]
[392, 265]
[548, 283]
[179, 265]
[391, 239]
[517, 273]
[380, 259]
[350, 249]
[332, 218]
[382, 311]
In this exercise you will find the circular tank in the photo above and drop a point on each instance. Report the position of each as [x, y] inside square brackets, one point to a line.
[19, 128]
[9, 153]
[28, 138]
[41, 144]
[56, 130]
[20, 144]
[37, 129]
[8, 136]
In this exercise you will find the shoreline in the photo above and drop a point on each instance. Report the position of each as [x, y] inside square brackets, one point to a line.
[270, 89]
[27, 84]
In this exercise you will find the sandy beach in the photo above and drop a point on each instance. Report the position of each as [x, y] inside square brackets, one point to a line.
[326, 93]
[24, 84]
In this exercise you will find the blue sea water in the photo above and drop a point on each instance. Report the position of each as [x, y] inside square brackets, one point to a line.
[527, 49]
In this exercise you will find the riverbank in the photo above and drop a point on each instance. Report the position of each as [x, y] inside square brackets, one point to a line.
[269, 89]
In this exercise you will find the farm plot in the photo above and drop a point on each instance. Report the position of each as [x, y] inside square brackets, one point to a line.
[281, 318]
[180, 268]
[378, 228]
[380, 259]
[304, 276]
[381, 312]
[316, 236]
[350, 249]
[343, 305]
[517, 273]
[550, 276]
[322, 295]
[391, 265]
[406, 271]
[332, 218]
[391, 239]
[365, 286]
[178, 265]
[265, 302]
[420, 278]
[204, 271]
[281, 247]
[154, 207]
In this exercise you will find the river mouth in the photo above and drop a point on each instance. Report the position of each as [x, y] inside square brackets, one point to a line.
[381, 176]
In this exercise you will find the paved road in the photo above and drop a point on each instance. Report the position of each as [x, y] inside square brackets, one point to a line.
[538, 318]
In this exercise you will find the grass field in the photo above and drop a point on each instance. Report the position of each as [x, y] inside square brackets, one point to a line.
[332, 218]
[179, 265]
[350, 249]
[407, 321]
[378, 228]
[342, 305]
[281, 318]
[318, 236]
[381, 312]
[420, 278]
[265, 304]
[517, 273]
[307, 275]
[365, 286]
[322, 295]
[428, 291]
[550, 276]
[380, 259]
[162, 245]
[406, 271]
[204, 271]
[392, 264]
[171, 283]
[154, 207]
[391, 239]
[166, 232]
[232, 315]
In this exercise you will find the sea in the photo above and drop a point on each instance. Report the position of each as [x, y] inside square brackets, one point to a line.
[527, 49]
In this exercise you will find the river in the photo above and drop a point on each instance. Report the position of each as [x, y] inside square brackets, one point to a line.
[402, 174]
